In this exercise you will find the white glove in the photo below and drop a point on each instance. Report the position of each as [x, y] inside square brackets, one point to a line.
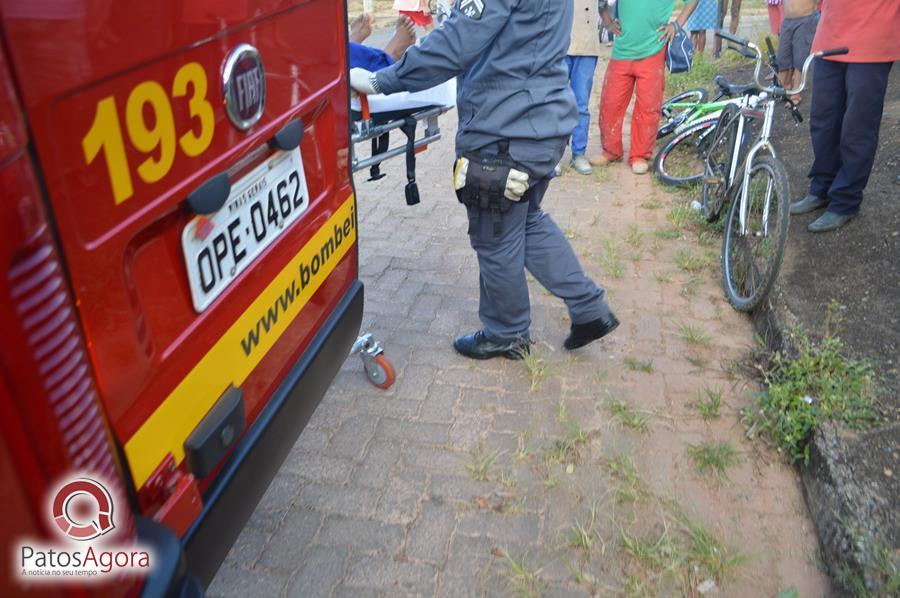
[516, 182]
[361, 81]
[516, 185]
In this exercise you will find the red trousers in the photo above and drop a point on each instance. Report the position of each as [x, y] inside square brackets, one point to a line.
[623, 77]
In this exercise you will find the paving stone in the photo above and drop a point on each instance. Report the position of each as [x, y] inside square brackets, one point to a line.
[353, 501]
[429, 536]
[240, 583]
[323, 567]
[351, 438]
[439, 403]
[375, 468]
[431, 459]
[517, 530]
[392, 575]
[360, 534]
[399, 503]
[413, 432]
[285, 549]
[318, 467]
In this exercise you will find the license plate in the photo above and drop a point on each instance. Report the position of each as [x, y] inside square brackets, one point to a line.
[260, 207]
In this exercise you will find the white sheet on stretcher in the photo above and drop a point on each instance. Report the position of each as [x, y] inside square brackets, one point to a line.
[440, 95]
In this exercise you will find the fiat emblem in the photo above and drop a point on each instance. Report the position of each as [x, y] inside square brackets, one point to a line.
[244, 85]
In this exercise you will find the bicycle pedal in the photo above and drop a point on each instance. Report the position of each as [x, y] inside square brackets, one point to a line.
[711, 180]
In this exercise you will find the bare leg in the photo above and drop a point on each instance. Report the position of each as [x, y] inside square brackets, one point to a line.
[404, 37]
[735, 15]
[361, 28]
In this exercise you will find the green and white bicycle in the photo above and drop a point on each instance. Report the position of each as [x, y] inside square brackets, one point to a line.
[692, 122]
[742, 169]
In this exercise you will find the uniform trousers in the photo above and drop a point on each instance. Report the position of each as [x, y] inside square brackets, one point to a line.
[844, 119]
[528, 238]
[646, 77]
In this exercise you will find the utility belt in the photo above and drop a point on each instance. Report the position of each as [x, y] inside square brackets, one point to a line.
[485, 185]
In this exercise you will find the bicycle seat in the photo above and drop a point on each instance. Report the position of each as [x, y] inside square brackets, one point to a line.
[735, 90]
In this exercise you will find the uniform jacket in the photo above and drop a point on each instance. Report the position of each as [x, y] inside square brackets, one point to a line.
[512, 80]
[585, 29]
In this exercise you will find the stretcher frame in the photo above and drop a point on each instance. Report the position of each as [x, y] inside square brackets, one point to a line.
[366, 129]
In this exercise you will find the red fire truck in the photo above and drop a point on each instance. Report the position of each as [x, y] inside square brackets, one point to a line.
[179, 260]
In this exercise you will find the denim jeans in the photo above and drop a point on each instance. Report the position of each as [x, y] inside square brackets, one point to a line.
[581, 78]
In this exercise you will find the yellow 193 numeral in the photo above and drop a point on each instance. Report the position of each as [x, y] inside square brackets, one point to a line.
[157, 139]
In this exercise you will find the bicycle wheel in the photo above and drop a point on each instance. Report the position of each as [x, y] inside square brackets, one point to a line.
[680, 161]
[750, 261]
[674, 113]
[718, 163]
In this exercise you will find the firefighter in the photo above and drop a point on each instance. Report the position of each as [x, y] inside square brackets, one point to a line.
[516, 112]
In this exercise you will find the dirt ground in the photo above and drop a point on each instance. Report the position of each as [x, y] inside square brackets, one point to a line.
[858, 265]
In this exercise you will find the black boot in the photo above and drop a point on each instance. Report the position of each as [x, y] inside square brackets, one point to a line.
[583, 334]
[477, 346]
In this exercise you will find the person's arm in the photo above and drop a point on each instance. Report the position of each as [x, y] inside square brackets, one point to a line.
[449, 50]
[667, 31]
[608, 22]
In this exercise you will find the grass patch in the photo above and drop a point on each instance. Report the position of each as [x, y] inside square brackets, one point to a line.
[631, 488]
[713, 458]
[708, 555]
[703, 70]
[882, 567]
[634, 237]
[669, 234]
[651, 205]
[584, 536]
[538, 369]
[689, 261]
[680, 215]
[481, 463]
[662, 277]
[639, 365]
[709, 403]
[612, 259]
[628, 416]
[693, 335]
[690, 288]
[566, 448]
[820, 385]
[521, 579]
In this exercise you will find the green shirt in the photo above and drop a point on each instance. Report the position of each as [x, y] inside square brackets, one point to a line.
[640, 20]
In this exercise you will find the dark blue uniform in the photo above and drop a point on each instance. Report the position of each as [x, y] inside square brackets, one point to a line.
[512, 86]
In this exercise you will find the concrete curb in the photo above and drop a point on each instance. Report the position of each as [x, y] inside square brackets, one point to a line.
[852, 482]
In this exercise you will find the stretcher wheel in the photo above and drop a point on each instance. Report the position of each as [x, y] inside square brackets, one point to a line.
[381, 373]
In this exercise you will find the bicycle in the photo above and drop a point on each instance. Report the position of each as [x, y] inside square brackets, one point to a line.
[693, 121]
[756, 186]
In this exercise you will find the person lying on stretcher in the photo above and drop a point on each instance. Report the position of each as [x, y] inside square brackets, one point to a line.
[373, 59]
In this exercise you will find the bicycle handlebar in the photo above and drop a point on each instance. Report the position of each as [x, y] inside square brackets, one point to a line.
[834, 52]
[732, 38]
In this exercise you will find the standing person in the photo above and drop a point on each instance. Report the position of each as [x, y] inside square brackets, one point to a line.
[581, 60]
[776, 15]
[704, 17]
[797, 32]
[735, 14]
[847, 103]
[416, 10]
[516, 112]
[637, 68]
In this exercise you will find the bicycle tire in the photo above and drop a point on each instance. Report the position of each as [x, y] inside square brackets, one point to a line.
[731, 278]
[717, 162]
[670, 173]
[675, 115]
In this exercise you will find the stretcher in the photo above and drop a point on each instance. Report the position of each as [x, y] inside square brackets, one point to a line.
[373, 119]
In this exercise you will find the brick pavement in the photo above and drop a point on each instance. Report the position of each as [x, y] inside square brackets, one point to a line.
[381, 495]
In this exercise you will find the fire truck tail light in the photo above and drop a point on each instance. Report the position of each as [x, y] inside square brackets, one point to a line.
[44, 355]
